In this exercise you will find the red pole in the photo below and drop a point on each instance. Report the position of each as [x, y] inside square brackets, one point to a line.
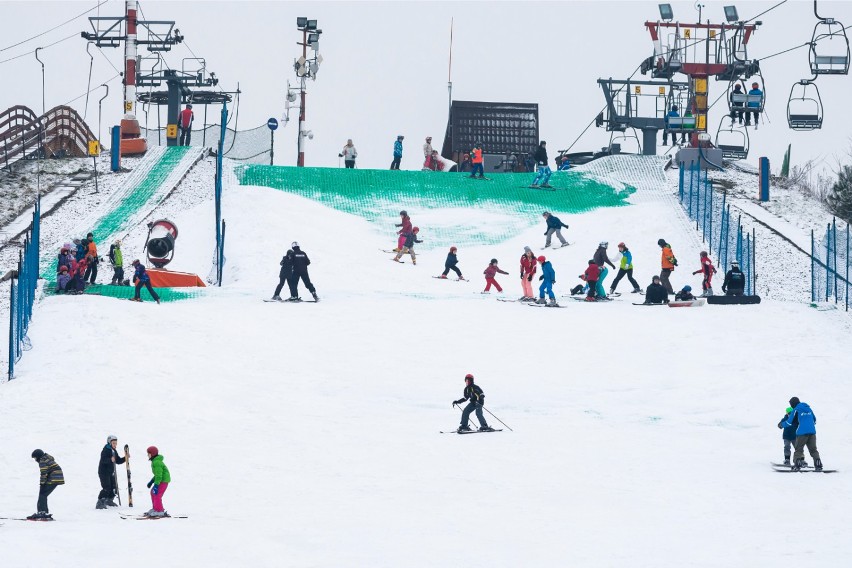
[301, 159]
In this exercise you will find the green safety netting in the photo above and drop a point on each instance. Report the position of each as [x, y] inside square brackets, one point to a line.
[451, 208]
[126, 292]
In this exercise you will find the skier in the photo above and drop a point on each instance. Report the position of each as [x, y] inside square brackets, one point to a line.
[803, 418]
[490, 272]
[300, 270]
[91, 251]
[285, 275]
[117, 261]
[755, 98]
[592, 277]
[685, 294]
[788, 434]
[452, 264]
[602, 259]
[668, 263]
[529, 266]
[544, 172]
[708, 270]
[548, 279]
[186, 118]
[656, 293]
[160, 483]
[397, 152]
[405, 229]
[50, 477]
[476, 159]
[625, 269]
[141, 278]
[349, 153]
[734, 283]
[554, 225]
[106, 473]
[408, 245]
[476, 397]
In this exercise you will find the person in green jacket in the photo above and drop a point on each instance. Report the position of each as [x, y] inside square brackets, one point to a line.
[117, 261]
[160, 483]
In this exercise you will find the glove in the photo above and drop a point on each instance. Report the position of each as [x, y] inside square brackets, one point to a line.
[340, 155]
[545, 233]
[696, 272]
[150, 483]
[156, 489]
[529, 277]
[541, 277]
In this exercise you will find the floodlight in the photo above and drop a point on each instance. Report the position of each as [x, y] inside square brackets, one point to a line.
[291, 97]
[312, 24]
[301, 22]
[731, 14]
[313, 39]
[666, 13]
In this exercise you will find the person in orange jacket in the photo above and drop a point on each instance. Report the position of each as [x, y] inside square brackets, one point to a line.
[668, 263]
[476, 159]
[92, 268]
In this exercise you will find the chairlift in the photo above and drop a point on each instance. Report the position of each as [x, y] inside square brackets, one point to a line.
[804, 112]
[829, 51]
[680, 97]
[732, 140]
[740, 103]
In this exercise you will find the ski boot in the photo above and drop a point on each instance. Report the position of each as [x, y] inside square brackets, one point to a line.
[590, 299]
[565, 244]
[798, 465]
[552, 303]
[414, 261]
[486, 428]
[464, 429]
[276, 297]
[40, 516]
[443, 276]
[787, 460]
[294, 299]
[101, 504]
[817, 462]
[637, 291]
[541, 301]
[316, 298]
[110, 503]
[533, 186]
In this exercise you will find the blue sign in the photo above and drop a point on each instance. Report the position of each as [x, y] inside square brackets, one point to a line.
[272, 124]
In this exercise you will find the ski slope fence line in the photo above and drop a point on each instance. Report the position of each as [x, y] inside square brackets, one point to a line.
[712, 215]
[831, 260]
[505, 200]
[23, 292]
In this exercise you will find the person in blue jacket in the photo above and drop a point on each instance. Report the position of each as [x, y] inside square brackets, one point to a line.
[452, 264]
[141, 278]
[548, 279]
[755, 100]
[397, 152]
[804, 420]
[788, 435]
[554, 225]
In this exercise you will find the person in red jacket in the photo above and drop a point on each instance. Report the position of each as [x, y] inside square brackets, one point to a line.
[477, 160]
[591, 276]
[489, 273]
[185, 119]
[708, 270]
[404, 231]
[529, 265]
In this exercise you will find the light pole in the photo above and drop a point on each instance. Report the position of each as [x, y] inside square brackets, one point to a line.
[306, 67]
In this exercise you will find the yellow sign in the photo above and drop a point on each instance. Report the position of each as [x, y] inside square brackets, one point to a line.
[687, 33]
[712, 34]
[701, 124]
[128, 106]
[94, 148]
[638, 90]
[171, 131]
[662, 90]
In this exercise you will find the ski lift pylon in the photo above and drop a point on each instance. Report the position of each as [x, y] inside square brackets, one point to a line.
[804, 112]
[732, 140]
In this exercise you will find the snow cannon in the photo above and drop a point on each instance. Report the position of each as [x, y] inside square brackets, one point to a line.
[160, 245]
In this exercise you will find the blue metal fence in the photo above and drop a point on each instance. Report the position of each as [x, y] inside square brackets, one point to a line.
[220, 223]
[831, 258]
[23, 291]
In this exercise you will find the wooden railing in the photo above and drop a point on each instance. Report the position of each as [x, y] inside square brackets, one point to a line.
[59, 132]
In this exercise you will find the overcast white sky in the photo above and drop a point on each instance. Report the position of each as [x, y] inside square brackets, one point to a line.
[385, 68]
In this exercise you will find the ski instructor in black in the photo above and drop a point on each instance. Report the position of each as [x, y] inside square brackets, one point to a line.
[476, 398]
[106, 473]
[300, 270]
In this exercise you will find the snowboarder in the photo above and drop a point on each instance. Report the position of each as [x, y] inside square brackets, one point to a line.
[708, 270]
[548, 279]
[544, 172]
[803, 418]
[656, 293]
[625, 269]
[50, 477]
[300, 270]
[668, 263]
[285, 276]
[106, 473]
[602, 259]
[141, 278]
[476, 398]
[408, 245]
[160, 482]
[349, 153]
[117, 261]
[452, 264]
[404, 230]
[788, 434]
[397, 152]
[734, 283]
[185, 123]
[529, 266]
[685, 294]
[592, 277]
[476, 159]
[490, 272]
[554, 225]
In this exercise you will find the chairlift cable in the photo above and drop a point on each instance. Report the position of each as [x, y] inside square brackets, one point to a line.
[75, 34]
[53, 28]
[765, 11]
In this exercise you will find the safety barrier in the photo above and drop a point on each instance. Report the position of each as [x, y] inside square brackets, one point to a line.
[23, 290]
[830, 263]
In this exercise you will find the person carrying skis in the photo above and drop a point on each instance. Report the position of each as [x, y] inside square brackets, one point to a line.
[397, 152]
[476, 398]
[476, 160]
[300, 270]
[804, 419]
[707, 270]
[602, 259]
[404, 230]
[625, 269]
[106, 473]
[408, 246]
[490, 272]
[548, 279]
[50, 476]
[554, 225]
[529, 266]
[141, 278]
[592, 276]
[788, 434]
[544, 173]
[734, 284]
[117, 261]
[158, 484]
[285, 275]
[185, 123]
[452, 264]
[656, 293]
[668, 263]
[685, 294]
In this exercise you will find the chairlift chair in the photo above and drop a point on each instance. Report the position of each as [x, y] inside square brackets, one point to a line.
[732, 140]
[828, 32]
[680, 97]
[804, 112]
[624, 137]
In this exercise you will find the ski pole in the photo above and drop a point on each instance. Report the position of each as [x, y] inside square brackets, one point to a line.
[498, 420]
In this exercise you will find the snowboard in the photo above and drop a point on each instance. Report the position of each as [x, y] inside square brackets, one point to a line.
[645, 304]
[786, 469]
[733, 300]
[289, 302]
[773, 464]
[696, 303]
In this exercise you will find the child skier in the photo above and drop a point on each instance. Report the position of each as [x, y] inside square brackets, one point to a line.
[529, 265]
[452, 264]
[476, 396]
[708, 270]
[548, 279]
[141, 278]
[625, 269]
[117, 261]
[408, 246]
[591, 276]
[50, 477]
[804, 420]
[490, 273]
[685, 294]
[406, 228]
[788, 435]
[160, 483]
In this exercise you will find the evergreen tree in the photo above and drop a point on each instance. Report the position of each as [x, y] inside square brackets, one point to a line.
[840, 198]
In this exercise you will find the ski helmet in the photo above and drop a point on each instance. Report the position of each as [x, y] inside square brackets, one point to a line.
[735, 263]
[794, 402]
[604, 244]
[468, 377]
[294, 244]
[37, 454]
[493, 261]
[622, 245]
[541, 259]
[110, 438]
[661, 242]
[403, 213]
[703, 253]
[135, 262]
[415, 229]
[453, 249]
[591, 261]
[153, 451]
[687, 288]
